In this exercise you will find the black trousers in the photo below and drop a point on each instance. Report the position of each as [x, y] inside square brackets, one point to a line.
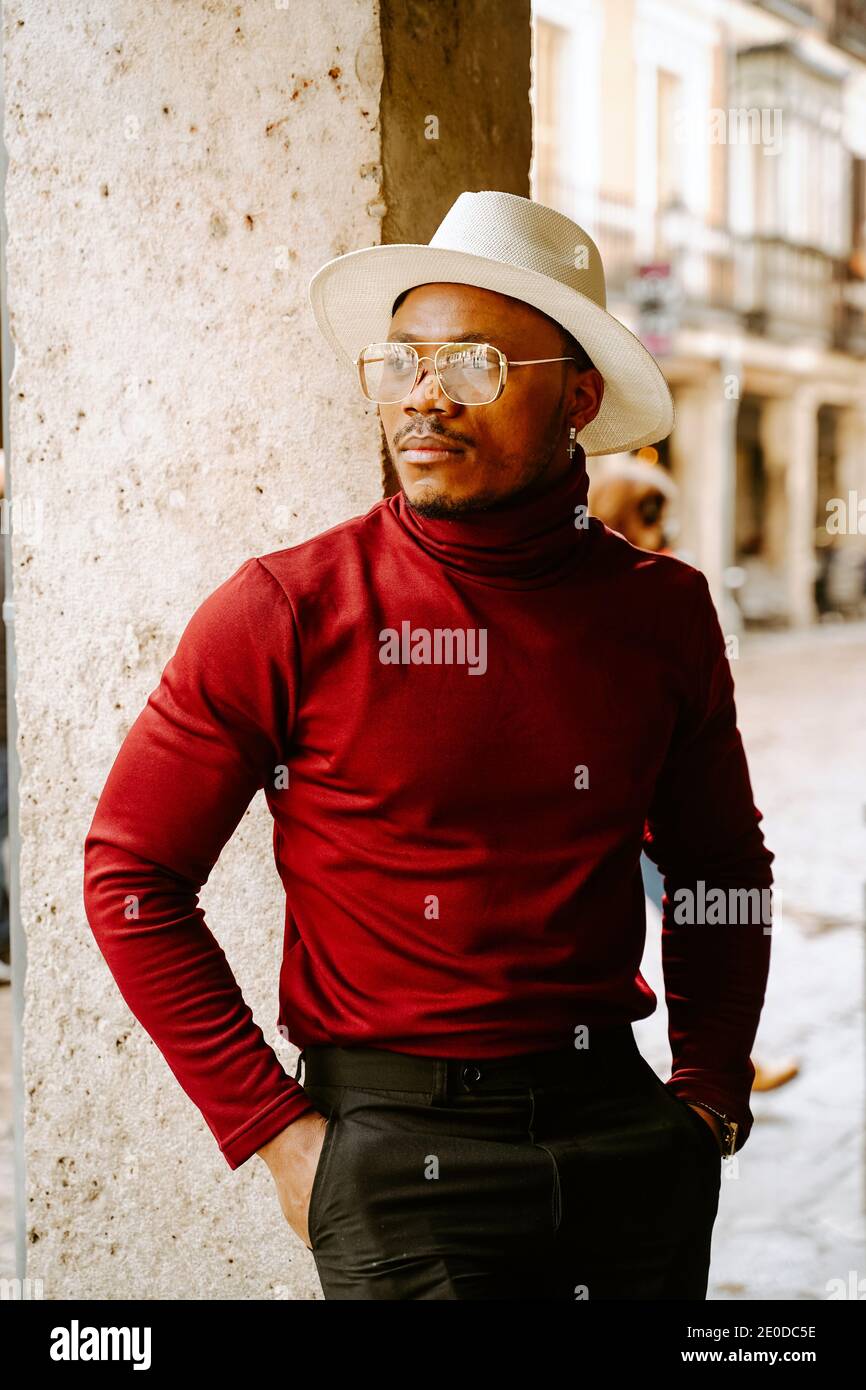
[568, 1175]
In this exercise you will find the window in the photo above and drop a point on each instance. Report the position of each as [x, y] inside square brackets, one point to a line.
[668, 151]
[547, 74]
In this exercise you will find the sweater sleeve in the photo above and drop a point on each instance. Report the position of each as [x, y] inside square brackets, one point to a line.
[210, 735]
[703, 833]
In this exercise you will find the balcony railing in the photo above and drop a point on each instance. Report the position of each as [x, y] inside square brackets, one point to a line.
[848, 28]
[776, 288]
[796, 10]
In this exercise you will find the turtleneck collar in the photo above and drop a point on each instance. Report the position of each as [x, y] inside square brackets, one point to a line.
[532, 544]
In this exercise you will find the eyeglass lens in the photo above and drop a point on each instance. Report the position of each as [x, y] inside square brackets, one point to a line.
[469, 372]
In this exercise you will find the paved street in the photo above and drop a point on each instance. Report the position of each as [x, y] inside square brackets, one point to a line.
[791, 1214]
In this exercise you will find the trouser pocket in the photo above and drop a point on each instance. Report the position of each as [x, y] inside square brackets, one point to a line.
[320, 1177]
[705, 1139]
[399, 1177]
[705, 1132]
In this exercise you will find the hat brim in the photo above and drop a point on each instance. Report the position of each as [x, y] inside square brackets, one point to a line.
[351, 298]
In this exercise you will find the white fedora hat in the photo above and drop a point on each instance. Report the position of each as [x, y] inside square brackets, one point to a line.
[521, 248]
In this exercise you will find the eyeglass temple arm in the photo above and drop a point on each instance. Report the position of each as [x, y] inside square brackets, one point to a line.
[530, 361]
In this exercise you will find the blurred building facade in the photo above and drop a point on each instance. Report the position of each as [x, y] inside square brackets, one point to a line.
[716, 152]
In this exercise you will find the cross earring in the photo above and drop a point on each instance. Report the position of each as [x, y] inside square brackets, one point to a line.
[572, 435]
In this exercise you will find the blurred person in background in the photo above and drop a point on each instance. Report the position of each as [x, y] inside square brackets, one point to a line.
[840, 578]
[635, 496]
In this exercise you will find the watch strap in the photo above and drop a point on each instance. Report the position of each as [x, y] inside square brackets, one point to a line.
[730, 1129]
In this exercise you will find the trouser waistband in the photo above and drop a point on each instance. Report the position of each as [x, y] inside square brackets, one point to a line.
[383, 1070]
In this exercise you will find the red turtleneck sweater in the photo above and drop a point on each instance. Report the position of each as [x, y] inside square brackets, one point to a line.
[459, 840]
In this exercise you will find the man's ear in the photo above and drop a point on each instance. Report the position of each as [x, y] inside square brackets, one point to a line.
[587, 396]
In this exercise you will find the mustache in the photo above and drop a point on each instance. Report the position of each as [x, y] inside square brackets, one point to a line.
[415, 433]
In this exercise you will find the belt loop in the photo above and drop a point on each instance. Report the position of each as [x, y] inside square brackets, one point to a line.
[301, 1055]
[440, 1080]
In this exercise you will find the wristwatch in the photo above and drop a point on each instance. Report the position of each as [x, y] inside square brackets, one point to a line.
[730, 1128]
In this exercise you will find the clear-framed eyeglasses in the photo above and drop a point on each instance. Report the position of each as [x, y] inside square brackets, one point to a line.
[467, 373]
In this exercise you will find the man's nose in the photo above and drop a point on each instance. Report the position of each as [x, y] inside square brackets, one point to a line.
[427, 390]
[427, 385]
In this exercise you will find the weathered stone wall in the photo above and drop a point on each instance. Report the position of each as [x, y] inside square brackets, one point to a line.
[177, 172]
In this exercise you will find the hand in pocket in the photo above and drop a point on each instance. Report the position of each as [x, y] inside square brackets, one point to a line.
[293, 1158]
[710, 1120]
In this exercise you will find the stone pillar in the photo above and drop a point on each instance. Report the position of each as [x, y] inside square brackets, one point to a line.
[703, 454]
[851, 474]
[789, 439]
[176, 175]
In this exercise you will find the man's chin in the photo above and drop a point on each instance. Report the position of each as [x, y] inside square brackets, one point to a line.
[435, 503]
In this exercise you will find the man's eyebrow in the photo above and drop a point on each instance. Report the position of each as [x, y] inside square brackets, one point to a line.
[478, 337]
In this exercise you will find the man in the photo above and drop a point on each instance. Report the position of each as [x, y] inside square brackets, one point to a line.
[468, 710]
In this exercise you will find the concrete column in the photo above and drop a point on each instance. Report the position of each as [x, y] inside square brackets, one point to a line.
[703, 454]
[176, 175]
[851, 463]
[789, 439]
